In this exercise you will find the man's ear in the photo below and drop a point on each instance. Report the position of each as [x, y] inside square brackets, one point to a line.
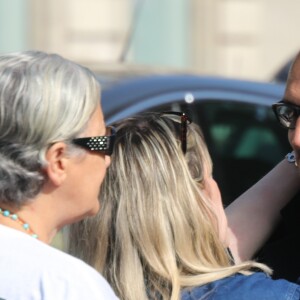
[57, 162]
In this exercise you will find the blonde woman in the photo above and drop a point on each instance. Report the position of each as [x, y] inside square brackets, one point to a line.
[162, 230]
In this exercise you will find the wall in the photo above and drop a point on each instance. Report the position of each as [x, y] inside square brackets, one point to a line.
[244, 38]
[236, 38]
[89, 30]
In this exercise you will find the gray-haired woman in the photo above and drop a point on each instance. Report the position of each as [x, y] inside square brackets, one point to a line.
[50, 174]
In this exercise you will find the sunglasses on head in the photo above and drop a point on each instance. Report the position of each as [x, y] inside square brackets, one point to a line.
[101, 144]
[184, 121]
[286, 113]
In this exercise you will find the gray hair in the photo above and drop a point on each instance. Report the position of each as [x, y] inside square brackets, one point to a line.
[44, 98]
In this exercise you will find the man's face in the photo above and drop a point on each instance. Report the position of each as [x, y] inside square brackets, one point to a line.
[292, 95]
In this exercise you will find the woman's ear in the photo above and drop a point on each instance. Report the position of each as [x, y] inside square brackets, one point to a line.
[57, 162]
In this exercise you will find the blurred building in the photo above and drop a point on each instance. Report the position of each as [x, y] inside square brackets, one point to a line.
[237, 38]
[245, 38]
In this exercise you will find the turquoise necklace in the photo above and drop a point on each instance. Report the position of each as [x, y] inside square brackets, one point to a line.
[6, 213]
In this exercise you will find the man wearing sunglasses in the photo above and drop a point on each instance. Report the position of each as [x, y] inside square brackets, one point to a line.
[287, 110]
[283, 255]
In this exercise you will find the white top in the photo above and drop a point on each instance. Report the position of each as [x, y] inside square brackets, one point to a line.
[32, 270]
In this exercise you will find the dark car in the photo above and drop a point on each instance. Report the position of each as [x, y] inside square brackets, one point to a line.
[243, 137]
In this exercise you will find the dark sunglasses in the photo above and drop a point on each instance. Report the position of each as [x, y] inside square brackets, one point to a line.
[102, 144]
[286, 113]
[184, 121]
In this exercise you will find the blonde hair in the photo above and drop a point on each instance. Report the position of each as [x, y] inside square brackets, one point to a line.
[156, 231]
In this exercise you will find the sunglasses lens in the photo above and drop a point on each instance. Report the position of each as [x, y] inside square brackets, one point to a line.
[287, 116]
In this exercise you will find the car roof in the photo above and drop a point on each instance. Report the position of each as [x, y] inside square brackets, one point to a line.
[129, 96]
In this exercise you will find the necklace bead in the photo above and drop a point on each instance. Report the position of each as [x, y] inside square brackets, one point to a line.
[15, 217]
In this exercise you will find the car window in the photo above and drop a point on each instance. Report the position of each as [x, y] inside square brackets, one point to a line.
[244, 140]
[258, 142]
[242, 134]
